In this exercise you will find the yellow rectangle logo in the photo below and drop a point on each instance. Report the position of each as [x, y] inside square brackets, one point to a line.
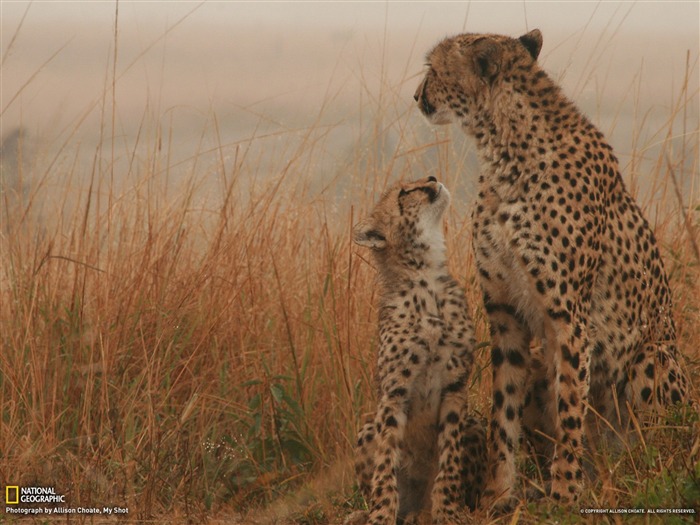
[10, 500]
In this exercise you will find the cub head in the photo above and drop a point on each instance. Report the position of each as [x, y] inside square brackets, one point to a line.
[405, 227]
[463, 71]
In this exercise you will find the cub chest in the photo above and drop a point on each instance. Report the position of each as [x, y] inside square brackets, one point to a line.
[415, 352]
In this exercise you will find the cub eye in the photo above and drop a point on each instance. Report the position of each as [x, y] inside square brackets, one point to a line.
[374, 234]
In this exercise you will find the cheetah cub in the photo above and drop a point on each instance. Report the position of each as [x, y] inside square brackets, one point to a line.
[422, 451]
[564, 255]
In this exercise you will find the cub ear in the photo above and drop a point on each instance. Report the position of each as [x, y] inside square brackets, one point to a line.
[487, 58]
[532, 41]
[366, 233]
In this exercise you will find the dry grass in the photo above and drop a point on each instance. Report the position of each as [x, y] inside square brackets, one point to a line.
[204, 350]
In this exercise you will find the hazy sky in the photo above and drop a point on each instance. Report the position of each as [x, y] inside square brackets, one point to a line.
[680, 17]
[276, 60]
[212, 31]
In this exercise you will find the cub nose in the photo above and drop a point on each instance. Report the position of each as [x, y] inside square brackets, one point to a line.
[432, 179]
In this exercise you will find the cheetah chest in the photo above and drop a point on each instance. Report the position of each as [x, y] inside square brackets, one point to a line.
[506, 249]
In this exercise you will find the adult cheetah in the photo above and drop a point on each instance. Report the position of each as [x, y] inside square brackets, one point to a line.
[421, 450]
[563, 254]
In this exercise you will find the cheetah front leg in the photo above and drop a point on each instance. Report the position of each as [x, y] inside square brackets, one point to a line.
[656, 381]
[539, 416]
[571, 384]
[509, 357]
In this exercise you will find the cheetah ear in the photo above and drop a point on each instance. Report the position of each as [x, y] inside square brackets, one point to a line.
[532, 42]
[365, 233]
[487, 59]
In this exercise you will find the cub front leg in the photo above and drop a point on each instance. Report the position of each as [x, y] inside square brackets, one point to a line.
[365, 451]
[473, 474]
[448, 489]
[391, 427]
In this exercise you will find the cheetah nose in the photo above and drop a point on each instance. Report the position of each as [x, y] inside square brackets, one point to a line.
[426, 107]
[432, 179]
[419, 91]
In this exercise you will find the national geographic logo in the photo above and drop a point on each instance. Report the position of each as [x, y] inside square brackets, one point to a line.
[14, 495]
[27, 501]
[11, 495]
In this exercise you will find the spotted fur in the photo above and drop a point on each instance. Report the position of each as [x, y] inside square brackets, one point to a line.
[564, 256]
[421, 451]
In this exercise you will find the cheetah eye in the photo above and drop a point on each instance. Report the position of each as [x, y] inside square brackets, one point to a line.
[483, 64]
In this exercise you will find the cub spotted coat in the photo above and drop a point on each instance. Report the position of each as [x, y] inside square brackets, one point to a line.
[421, 451]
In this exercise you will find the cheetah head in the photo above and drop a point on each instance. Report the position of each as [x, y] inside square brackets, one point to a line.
[465, 71]
[406, 224]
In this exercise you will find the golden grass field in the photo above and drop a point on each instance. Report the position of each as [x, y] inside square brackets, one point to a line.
[195, 340]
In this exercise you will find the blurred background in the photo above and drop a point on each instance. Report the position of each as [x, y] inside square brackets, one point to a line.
[203, 75]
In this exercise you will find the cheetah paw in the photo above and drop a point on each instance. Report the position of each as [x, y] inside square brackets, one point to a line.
[498, 505]
[359, 517]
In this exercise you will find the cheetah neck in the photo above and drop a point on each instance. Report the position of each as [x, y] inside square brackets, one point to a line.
[512, 127]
